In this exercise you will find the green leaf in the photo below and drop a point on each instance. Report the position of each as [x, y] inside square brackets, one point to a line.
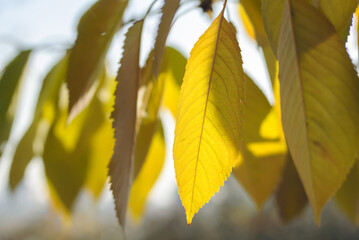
[290, 197]
[48, 97]
[95, 33]
[319, 97]
[124, 115]
[9, 82]
[67, 161]
[168, 12]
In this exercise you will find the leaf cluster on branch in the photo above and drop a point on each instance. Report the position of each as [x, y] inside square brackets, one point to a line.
[303, 148]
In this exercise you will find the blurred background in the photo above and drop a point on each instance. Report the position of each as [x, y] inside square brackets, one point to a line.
[29, 212]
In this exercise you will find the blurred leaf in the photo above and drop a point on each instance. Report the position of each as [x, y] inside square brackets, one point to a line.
[263, 158]
[340, 14]
[347, 198]
[95, 33]
[48, 96]
[148, 174]
[148, 113]
[9, 82]
[357, 29]
[291, 197]
[124, 116]
[168, 12]
[246, 22]
[174, 66]
[102, 141]
[209, 120]
[66, 168]
[320, 125]
[252, 9]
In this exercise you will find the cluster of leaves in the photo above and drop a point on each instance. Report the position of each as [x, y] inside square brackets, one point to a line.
[303, 148]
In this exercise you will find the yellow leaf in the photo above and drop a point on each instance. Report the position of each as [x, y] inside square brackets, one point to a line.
[174, 66]
[67, 168]
[101, 141]
[252, 9]
[169, 10]
[347, 198]
[147, 118]
[290, 197]
[209, 120]
[264, 155]
[124, 116]
[148, 174]
[319, 97]
[246, 22]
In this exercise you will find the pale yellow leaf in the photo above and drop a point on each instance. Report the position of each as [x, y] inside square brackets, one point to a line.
[319, 100]
[209, 120]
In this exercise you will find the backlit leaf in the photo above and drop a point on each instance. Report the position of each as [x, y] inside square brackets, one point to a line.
[95, 33]
[263, 157]
[148, 174]
[147, 118]
[209, 120]
[272, 16]
[340, 14]
[168, 12]
[173, 72]
[124, 115]
[66, 165]
[48, 96]
[102, 141]
[290, 197]
[253, 10]
[9, 83]
[319, 95]
[347, 198]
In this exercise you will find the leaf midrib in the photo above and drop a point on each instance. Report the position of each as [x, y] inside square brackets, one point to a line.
[301, 94]
[206, 104]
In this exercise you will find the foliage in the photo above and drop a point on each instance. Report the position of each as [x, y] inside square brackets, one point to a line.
[305, 145]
